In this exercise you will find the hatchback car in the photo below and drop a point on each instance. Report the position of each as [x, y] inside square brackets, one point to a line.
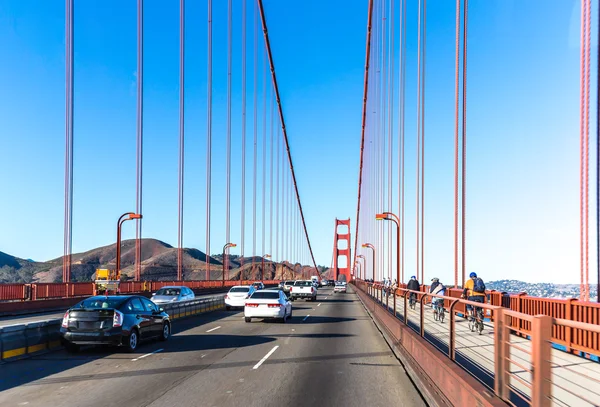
[173, 294]
[114, 320]
[340, 287]
[236, 297]
[268, 304]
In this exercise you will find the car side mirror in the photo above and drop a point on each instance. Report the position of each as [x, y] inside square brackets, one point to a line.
[153, 294]
[161, 310]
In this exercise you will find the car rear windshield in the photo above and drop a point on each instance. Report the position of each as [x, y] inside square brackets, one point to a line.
[263, 295]
[239, 289]
[289, 283]
[303, 283]
[168, 291]
[100, 303]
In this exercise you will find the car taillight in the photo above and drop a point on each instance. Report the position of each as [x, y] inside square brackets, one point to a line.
[65, 321]
[226, 296]
[274, 305]
[118, 318]
[290, 289]
[312, 289]
[252, 305]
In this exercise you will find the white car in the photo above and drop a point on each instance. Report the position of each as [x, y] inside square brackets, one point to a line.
[172, 294]
[339, 287]
[268, 304]
[236, 297]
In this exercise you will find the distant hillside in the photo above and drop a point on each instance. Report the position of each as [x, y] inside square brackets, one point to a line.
[159, 262]
[546, 290]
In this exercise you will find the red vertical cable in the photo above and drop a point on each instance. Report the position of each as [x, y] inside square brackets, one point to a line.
[456, 121]
[243, 197]
[209, 140]
[228, 174]
[363, 124]
[464, 141]
[271, 182]
[255, 135]
[418, 182]
[264, 152]
[401, 144]
[587, 146]
[277, 199]
[69, 74]
[139, 139]
[390, 132]
[181, 140]
[423, 143]
[581, 150]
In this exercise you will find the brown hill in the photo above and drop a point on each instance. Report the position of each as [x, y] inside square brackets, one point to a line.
[159, 262]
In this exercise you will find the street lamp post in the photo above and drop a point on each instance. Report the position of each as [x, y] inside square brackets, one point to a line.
[370, 246]
[227, 246]
[123, 218]
[396, 220]
[363, 266]
[262, 270]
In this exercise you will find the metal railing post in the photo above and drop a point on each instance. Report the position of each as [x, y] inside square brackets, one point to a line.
[501, 354]
[541, 334]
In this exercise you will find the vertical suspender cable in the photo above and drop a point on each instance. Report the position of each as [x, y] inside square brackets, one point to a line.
[209, 140]
[587, 144]
[464, 141]
[255, 135]
[423, 142]
[243, 197]
[139, 139]
[277, 198]
[271, 181]
[456, 122]
[418, 182]
[402, 106]
[581, 149]
[282, 120]
[390, 131]
[68, 214]
[598, 168]
[264, 152]
[228, 147]
[181, 140]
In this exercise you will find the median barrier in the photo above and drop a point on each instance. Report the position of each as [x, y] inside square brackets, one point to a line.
[25, 340]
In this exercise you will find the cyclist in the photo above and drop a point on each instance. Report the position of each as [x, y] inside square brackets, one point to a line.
[438, 289]
[413, 285]
[474, 290]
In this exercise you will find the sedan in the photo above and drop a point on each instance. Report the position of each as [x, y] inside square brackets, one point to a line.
[268, 304]
[236, 297]
[173, 294]
[114, 320]
[339, 287]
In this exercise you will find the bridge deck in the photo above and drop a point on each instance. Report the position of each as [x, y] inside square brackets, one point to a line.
[476, 354]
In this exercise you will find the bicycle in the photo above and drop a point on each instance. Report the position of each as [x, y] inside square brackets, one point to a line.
[438, 312]
[412, 302]
[476, 323]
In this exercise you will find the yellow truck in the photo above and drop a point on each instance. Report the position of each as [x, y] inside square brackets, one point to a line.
[106, 281]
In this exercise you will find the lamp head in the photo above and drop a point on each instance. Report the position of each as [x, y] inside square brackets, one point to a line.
[135, 216]
[381, 216]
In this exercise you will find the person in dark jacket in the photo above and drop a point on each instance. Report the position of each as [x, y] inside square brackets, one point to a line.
[413, 285]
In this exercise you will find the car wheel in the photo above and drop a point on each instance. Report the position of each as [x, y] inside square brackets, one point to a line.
[166, 332]
[71, 347]
[248, 319]
[131, 342]
[284, 318]
[228, 308]
[290, 315]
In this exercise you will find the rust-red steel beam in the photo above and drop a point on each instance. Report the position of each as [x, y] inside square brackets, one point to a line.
[282, 121]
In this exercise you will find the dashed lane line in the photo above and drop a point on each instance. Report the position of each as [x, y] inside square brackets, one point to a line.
[256, 366]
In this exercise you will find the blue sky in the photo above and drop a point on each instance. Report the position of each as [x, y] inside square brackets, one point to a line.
[523, 148]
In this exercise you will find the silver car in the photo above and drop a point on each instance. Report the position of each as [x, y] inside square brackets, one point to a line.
[173, 294]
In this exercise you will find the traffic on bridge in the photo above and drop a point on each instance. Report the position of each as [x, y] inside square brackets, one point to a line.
[202, 153]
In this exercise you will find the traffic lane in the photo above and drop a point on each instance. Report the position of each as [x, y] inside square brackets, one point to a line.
[61, 379]
[334, 357]
[42, 316]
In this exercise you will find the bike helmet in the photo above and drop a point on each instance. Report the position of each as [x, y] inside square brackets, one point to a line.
[413, 277]
[473, 275]
[435, 279]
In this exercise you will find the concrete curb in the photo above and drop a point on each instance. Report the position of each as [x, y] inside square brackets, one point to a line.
[21, 341]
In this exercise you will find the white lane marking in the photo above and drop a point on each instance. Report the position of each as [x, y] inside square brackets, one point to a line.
[147, 354]
[326, 297]
[256, 366]
[202, 356]
[306, 317]
[319, 305]
[214, 329]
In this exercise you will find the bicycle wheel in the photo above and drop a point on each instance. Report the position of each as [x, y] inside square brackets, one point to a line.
[441, 313]
[472, 323]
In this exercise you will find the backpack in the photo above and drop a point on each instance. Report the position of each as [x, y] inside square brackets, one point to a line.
[479, 286]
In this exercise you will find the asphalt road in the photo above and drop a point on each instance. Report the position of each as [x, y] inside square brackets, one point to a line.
[42, 316]
[329, 354]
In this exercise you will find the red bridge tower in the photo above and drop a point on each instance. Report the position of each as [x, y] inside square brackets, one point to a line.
[341, 250]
